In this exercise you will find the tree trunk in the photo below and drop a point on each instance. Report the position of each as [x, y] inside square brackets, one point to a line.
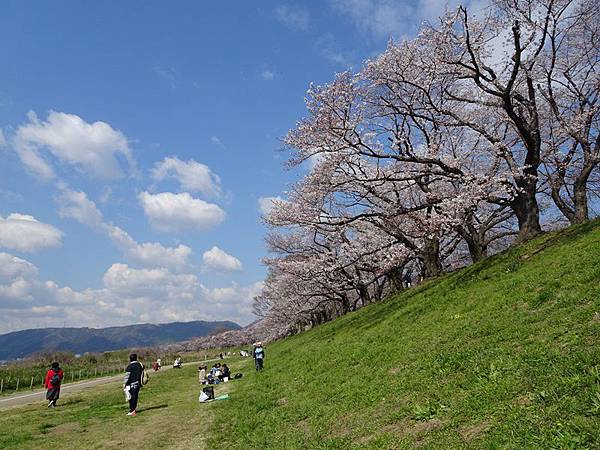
[432, 266]
[395, 277]
[580, 198]
[477, 249]
[527, 210]
[562, 206]
[364, 294]
[475, 241]
[579, 212]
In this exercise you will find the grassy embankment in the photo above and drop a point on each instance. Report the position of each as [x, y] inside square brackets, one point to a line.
[169, 416]
[504, 354]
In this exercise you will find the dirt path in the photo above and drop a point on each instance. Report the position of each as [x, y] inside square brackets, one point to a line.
[40, 395]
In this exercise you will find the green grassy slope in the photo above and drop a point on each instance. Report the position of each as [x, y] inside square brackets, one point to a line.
[503, 354]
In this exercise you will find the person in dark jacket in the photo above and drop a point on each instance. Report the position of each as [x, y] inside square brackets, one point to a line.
[133, 382]
[258, 353]
[52, 383]
[225, 373]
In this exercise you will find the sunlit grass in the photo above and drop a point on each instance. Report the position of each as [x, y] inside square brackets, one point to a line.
[503, 354]
[169, 417]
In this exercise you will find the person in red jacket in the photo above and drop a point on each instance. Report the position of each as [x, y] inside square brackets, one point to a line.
[52, 382]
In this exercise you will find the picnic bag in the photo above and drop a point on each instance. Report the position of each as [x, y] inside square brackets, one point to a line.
[210, 391]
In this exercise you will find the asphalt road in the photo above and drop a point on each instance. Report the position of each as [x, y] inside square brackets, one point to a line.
[39, 396]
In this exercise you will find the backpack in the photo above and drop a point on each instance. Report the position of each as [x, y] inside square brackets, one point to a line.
[145, 377]
[55, 379]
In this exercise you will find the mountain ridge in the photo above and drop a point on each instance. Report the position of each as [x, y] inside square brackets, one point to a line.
[23, 343]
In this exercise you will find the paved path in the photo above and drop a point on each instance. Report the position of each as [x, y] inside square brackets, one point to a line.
[39, 396]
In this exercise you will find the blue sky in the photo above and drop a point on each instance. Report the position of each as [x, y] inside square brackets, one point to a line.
[140, 140]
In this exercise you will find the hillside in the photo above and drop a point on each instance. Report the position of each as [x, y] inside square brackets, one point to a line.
[80, 340]
[503, 354]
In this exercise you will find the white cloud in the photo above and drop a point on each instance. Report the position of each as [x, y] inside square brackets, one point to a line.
[378, 18]
[172, 212]
[192, 175]
[218, 260]
[150, 254]
[2, 139]
[265, 204]
[382, 19]
[292, 16]
[10, 196]
[13, 268]
[233, 301]
[316, 159]
[24, 233]
[128, 295]
[267, 74]
[77, 206]
[125, 280]
[106, 195]
[331, 51]
[167, 73]
[93, 148]
[215, 140]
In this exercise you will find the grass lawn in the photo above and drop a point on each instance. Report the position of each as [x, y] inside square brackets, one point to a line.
[169, 416]
[504, 354]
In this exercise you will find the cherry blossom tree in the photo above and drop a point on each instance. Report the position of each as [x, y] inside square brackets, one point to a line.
[434, 154]
[570, 84]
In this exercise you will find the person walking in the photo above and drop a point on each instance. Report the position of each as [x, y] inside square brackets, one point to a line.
[133, 382]
[258, 353]
[52, 383]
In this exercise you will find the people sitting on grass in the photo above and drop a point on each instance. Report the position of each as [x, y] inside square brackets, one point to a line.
[202, 375]
[217, 374]
[225, 373]
[52, 382]
[177, 363]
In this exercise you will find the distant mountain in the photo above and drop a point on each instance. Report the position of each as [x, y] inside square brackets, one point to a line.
[20, 344]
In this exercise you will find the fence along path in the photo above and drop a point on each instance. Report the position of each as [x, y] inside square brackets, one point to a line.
[40, 395]
[10, 383]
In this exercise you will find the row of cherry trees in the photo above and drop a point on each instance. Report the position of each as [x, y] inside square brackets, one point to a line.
[441, 150]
